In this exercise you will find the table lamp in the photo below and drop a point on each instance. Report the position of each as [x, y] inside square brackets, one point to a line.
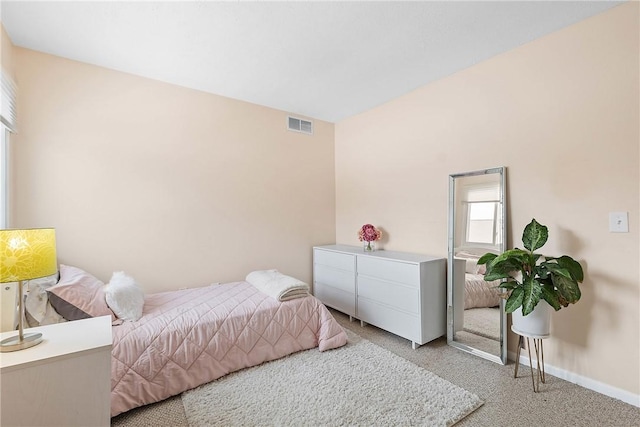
[25, 255]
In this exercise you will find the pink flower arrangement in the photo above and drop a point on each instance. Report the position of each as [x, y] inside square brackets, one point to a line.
[368, 233]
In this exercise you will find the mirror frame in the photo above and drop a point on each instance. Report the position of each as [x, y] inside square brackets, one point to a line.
[502, 357]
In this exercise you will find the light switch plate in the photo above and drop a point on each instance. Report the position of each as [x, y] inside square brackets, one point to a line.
[619, 222]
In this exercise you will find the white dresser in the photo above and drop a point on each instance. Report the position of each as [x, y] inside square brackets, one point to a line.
[399, 292]
[63, 381]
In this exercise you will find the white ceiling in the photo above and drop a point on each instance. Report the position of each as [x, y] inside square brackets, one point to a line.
[324, 60]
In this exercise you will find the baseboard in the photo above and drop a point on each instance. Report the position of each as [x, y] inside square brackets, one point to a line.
[597, 386]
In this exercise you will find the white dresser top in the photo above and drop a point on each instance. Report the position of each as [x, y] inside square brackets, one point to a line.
[60, 340]
[396, 256]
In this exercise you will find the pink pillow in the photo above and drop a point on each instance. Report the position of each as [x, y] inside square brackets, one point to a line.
[78, 295]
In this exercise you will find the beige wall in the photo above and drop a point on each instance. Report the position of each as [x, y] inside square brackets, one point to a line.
[181, 188]
[6, 52]
[561, 113]
[174, 186]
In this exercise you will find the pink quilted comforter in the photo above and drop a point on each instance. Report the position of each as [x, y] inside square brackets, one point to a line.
[478, 293]
[190, 337]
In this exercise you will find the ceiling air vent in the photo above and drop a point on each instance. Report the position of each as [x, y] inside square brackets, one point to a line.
[300, 125]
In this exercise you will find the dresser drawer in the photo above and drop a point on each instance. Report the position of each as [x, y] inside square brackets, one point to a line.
[340, 279]
[402, 297]
[336, 298]
[334, 259]
[392, 271]
[399, 323]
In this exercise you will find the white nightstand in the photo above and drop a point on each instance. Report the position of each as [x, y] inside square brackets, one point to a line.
[64, 381]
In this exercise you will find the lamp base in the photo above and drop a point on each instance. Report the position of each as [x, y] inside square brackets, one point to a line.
[15, 344]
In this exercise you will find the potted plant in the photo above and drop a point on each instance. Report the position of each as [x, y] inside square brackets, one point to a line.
[529, 277]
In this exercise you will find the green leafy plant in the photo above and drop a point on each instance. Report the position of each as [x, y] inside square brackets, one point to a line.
[553, 279]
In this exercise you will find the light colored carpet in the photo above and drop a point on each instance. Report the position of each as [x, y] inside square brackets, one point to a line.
[358, 384]
[478, 342]
[484, 322]
[481, 329]
[508, 401]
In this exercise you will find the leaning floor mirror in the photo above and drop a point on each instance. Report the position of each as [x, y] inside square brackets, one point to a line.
[476, 321]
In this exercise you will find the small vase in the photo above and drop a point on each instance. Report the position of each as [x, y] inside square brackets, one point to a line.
[369, 246]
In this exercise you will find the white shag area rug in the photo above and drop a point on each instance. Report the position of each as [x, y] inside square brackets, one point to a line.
[358, 384]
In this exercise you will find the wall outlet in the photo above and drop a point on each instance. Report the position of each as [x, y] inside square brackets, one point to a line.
[619, 222]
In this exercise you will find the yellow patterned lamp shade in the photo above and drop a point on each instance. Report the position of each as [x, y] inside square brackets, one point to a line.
[27, 254]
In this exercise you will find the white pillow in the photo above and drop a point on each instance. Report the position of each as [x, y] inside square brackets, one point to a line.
[472, 266]
[124, 296]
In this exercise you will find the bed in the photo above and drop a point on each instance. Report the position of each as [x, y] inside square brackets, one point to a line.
[478, 293]
[190, 337]
[193, 336]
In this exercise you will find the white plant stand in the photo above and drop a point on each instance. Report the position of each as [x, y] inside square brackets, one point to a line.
[537, 344]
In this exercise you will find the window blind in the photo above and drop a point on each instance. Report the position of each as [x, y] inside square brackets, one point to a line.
[9, 93]
[483, 193]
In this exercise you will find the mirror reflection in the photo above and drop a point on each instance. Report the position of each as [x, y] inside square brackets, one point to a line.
[476, 320]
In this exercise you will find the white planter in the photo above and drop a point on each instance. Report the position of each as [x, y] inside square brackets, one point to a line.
[536, 324]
